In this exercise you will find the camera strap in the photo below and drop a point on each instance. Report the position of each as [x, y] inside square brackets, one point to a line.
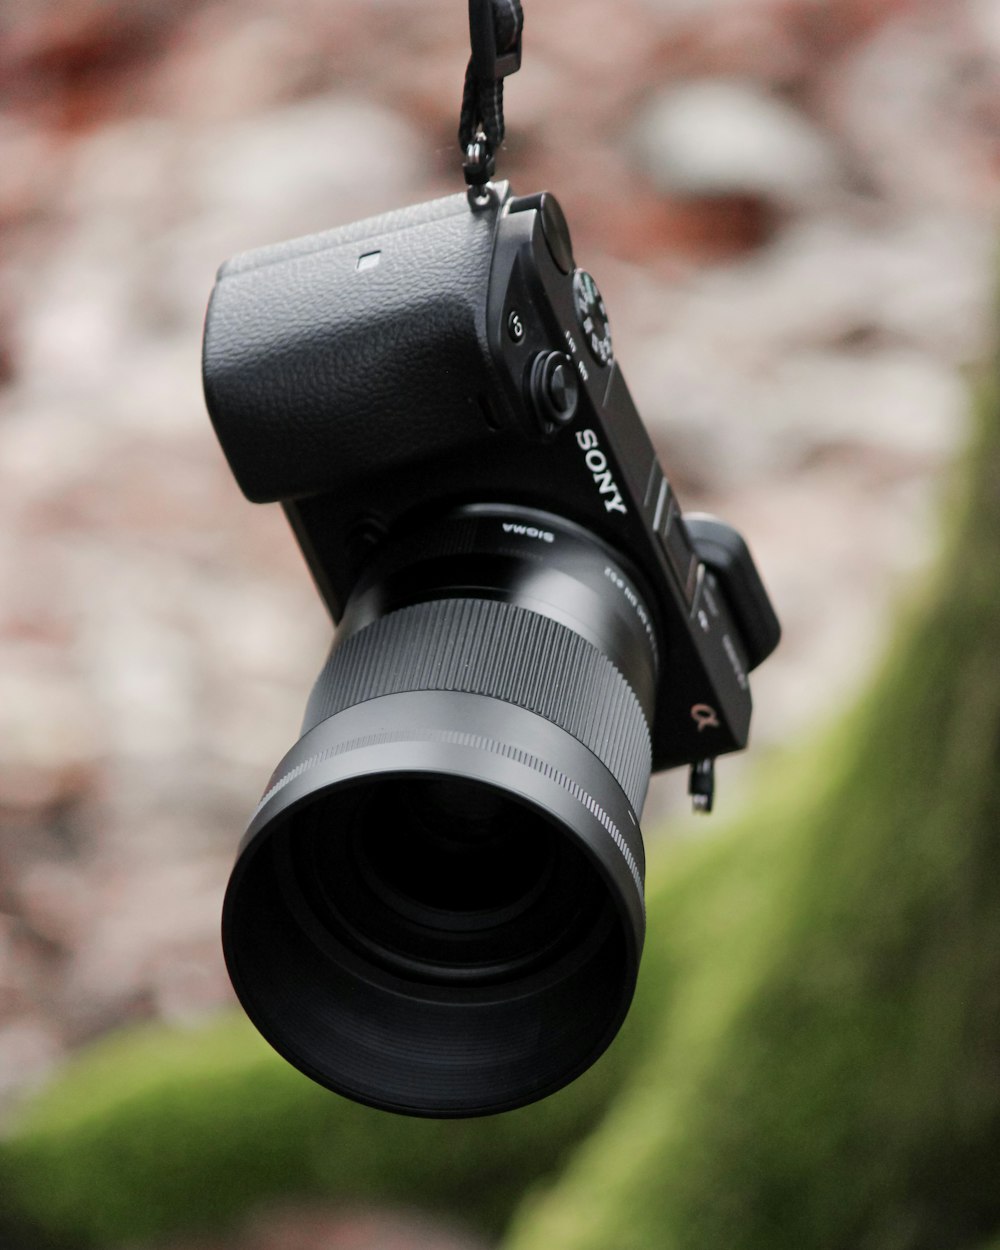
[495, 30]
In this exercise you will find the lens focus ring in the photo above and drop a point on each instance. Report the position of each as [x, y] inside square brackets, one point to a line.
[488, 647]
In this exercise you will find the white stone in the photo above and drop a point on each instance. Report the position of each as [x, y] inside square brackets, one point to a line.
[304, 167]
[715, 137]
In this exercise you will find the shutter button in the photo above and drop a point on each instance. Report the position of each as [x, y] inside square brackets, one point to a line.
[555, 231]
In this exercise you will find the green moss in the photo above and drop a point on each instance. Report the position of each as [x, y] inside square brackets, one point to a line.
[828, 1074]
[152, 1132]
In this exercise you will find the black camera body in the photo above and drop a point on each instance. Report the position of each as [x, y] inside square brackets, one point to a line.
[375, 373]
[437, 908]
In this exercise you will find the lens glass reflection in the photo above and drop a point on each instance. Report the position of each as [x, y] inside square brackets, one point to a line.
[444, 880]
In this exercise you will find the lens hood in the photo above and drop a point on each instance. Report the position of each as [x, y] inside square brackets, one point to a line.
[437, 908]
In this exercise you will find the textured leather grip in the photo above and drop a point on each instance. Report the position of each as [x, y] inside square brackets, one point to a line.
[331, 358]
[489, 647]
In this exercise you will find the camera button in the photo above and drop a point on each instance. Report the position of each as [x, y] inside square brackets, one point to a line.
[554, 388]
[562, 388]
[555, 229]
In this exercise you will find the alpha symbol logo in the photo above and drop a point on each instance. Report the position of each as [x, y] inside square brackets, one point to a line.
[705, 716]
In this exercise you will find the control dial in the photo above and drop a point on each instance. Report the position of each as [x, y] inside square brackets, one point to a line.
[554, 389]
[592, 317]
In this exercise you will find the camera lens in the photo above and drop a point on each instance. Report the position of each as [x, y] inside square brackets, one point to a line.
[437, 908]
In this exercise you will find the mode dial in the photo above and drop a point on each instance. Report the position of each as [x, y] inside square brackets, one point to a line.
[592, 317]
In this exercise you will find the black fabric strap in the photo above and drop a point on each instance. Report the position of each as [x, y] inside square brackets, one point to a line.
[495, 53]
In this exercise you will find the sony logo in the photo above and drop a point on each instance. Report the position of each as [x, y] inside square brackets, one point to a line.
[597, 463]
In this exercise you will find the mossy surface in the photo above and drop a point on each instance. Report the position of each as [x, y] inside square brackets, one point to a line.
[828, 1072]
[154, 1132]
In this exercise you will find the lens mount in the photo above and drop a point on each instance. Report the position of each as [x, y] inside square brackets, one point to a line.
[437, 908]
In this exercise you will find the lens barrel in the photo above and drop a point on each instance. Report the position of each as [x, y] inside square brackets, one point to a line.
[437, 907]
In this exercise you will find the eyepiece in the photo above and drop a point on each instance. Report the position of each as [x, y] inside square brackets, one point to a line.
[437, 908]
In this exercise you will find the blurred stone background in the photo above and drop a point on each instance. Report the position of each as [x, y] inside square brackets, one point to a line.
[791, 208]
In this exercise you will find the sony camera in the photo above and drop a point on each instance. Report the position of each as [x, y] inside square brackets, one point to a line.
[437, 908]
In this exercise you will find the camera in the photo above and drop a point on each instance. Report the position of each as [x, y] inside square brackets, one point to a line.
[437, 908]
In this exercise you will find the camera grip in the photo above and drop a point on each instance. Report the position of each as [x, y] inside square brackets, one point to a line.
[333, 357]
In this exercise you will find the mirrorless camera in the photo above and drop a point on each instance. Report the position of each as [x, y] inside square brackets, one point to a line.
[437, 908]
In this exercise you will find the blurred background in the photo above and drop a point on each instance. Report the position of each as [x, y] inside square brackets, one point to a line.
[791, 208]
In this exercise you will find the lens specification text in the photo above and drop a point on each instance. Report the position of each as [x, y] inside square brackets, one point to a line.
[528, 531]
[632, 598]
